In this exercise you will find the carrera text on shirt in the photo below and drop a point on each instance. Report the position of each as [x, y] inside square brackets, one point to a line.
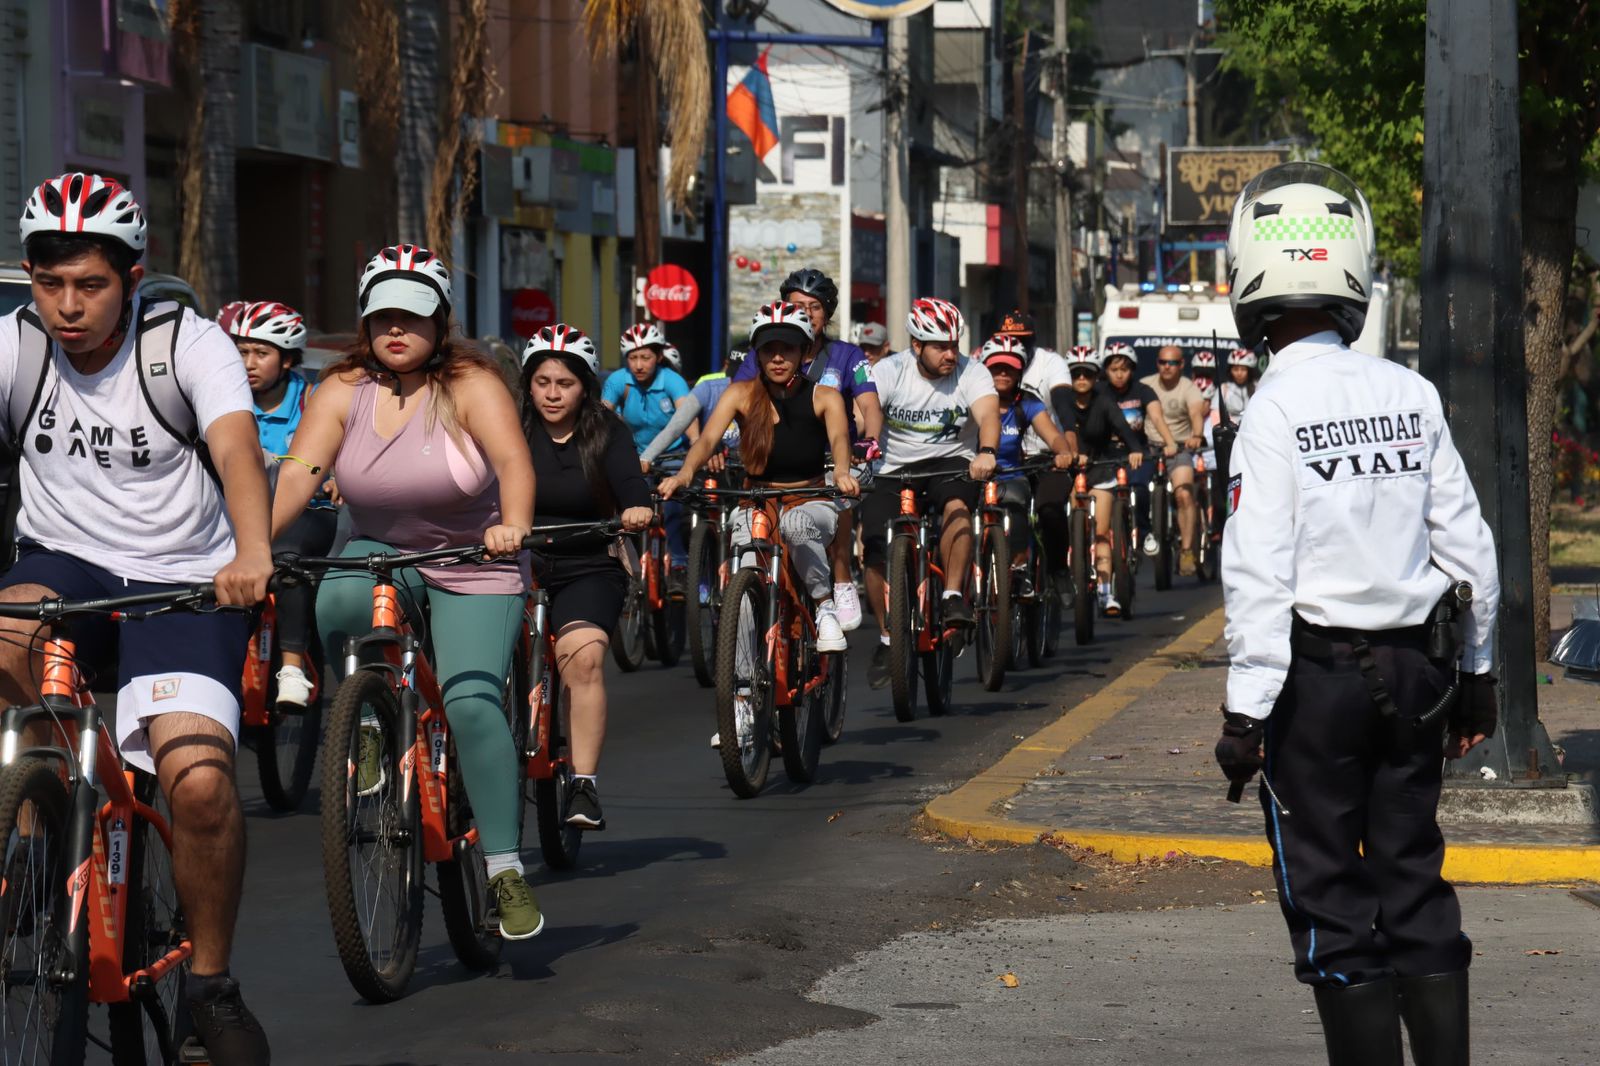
[925, 419]
[100, 478]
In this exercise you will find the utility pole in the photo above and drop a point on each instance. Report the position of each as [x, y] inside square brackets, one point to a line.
[1019, 168]
[1066, 320]
[647, 157]
[1472, 347]
[1191, 106]
[896, 210]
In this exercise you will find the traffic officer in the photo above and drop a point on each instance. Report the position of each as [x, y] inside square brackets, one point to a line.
[1354, 534]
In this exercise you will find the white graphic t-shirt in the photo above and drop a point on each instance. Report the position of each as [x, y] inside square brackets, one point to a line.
[102, 481]
[925, 419]
[1046, 372]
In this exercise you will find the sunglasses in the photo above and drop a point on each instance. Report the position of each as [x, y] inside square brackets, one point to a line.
[1169, 362]
[1083, 373]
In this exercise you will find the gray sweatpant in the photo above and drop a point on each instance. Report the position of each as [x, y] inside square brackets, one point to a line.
[807, 529]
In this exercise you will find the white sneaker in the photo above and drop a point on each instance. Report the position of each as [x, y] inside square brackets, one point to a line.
[716, 741]
[1113, 609]
[293, 686]
[847, 605]
[830, 635]
[1152, 546]
[1104, 594]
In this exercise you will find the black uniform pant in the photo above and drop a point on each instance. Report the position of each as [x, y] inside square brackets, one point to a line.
[1356, 845]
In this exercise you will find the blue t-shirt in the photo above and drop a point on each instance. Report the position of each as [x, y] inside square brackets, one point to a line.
[1014, 423]
[646, 409]
[847, 369]
[276, 427]
[708, 390]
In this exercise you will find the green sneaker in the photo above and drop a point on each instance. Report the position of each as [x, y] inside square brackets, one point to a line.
[370, 772]
[519, 911]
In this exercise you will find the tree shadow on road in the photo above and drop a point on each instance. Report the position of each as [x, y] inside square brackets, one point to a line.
[607, 858]
[878, 736]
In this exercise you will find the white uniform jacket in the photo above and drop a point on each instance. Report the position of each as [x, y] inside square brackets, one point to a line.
[1353, 510]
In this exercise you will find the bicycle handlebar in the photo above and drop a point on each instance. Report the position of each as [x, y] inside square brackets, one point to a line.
[192, 597]
[819, 492]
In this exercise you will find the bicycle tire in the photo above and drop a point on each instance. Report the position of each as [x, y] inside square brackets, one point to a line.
[628, 637]
[742, 670]
[1085, 599]
[902, 634]
[286, 747]
[1121, 571]
[559, 843]
[1161, 526]
[35, 877]
[938, 665]
[837, 688]
[1205, 552]
[700, 602]
[464, 880]
[382, 979]
[148, 1029]
[800, 723]
[992, 611]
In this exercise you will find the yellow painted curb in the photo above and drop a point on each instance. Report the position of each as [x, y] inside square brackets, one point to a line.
[969, 811]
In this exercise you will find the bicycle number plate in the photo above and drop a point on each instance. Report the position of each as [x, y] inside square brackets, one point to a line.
[436, 747]
[117, 853]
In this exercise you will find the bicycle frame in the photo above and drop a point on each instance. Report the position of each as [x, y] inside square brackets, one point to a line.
[915, 524]
[785, 611]
[97, 889]
[258, 668]
[543, 762]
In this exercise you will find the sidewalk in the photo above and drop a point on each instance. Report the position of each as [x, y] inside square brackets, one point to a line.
[1129, 772]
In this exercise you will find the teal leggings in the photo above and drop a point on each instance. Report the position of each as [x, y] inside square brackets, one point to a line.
[473, 637]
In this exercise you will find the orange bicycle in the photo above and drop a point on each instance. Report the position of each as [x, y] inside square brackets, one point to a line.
[285, 735]
[653, 619]
[88, 911]
[918, 635]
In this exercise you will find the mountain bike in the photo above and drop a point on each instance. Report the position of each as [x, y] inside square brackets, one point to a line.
[1163, 523]
[1041, 605]
[286, 735]
[1080, 559]
[767, 657]
[1007, 597]
[709, 571]
[1208, 534]
[88, 910]
[652, 623]
[918, 638]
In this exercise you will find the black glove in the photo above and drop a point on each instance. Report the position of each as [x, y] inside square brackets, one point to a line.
[1476, 710]
[1239, 748]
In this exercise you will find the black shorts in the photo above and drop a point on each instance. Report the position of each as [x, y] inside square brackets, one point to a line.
[582, 588]
[170, 662]
[882, 502]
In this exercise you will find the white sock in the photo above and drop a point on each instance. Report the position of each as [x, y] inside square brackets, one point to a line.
[500, 861]
[883, 638]
[585, 777]
[952, 594]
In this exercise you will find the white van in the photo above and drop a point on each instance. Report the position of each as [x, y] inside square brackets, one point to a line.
[1191, 317]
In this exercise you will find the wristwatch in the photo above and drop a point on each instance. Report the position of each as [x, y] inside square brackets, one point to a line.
[986, 450]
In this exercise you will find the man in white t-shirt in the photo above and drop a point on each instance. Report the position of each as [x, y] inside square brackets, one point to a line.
[1185, 411]
[114, 502]
[940, 416]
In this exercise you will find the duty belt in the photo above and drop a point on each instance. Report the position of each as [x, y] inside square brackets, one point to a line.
[1322, 642]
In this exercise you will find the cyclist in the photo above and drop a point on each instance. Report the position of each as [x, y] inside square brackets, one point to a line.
[271, 338]
[1004, 357]
[649, 395]
[1140, 406]
[872, 338]
[113, 503]
[941, 415]
[844, 367]
[673, 359]
[1240, 384]
[788, 428]
[430, 454]
[706, 392]
[586, 470]
[1104, 438]
[1184, 409]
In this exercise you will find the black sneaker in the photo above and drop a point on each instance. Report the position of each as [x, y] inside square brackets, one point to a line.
[878, 671]
[583, 806]
[224, 1025]
[677, 582]
[957, 611]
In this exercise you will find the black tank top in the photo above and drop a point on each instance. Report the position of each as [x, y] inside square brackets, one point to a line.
[799, 440]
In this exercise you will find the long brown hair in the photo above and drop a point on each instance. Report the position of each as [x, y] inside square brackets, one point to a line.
[454, 357]
[757, 416]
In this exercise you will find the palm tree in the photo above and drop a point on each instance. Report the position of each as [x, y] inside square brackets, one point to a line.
[209, 36]
[418, 130]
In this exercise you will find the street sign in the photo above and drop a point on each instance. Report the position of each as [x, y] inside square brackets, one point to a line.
[671, 292]
[1202, 183]
[881, 9]
[531, 311]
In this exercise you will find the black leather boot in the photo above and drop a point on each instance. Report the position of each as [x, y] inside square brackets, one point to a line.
[1435, 1010]
[1361, 1023]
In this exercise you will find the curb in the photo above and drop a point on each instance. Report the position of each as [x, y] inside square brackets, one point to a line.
[969, 811]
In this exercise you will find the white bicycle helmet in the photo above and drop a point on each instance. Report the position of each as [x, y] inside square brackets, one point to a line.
[1301, 238]
[404, 277]
[643, 335]
[1081, 355]
[933, 319]
[1242, 357]
[1112, 351]
[672, 357]
[270, 322]
[1003, 349]
[227, 312]
[81, 204]
[1203, 363]
[780, 321]
[563, 338]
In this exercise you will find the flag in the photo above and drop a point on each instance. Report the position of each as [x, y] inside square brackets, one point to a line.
[750, 108]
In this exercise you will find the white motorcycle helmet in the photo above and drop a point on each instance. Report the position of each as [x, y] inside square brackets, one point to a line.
[1301, 238]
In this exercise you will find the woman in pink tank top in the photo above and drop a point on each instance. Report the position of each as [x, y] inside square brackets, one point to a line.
[427, 446]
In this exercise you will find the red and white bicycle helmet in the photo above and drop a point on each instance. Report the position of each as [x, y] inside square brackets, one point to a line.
[933, 319]
[1207, 387]
[563, 338]
[780, 321]
[643, 335]
[1243, 357]
[1202, 363]
[1081, 355]
[85, 204]
[672, 357]
[227, 311]
[269, 322]
[1118, 350]
[404, 277]
[1004, 349]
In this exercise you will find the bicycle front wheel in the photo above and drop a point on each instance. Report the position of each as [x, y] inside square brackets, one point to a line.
[46, 1013]
[744, 685]
[1085, 599]
[902, 634]
[700, 604]
[1161, 527]
[992, 610]
[149, 1028]
[286, 749]
[834, 706]
[800, 723]
[627, 640]
[1121, 571]
[371, 839]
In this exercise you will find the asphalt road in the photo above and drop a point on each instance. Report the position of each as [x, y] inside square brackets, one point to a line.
[695, 923]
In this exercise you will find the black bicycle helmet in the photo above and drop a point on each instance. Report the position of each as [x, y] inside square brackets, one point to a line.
[813, 283]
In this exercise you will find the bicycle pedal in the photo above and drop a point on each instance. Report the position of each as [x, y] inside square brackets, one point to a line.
[193, 1053]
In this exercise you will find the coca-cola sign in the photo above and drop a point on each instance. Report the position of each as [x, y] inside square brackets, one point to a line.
[531, 311]
[671, 292]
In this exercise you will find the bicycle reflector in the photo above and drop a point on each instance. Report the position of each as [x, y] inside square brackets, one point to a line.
[1122, 477]
[908, 501]
[760, 524]
[709, 483]
[1199, 464]
[1081, 484]
[991, 492]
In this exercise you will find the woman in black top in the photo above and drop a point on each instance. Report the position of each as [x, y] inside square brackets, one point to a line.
[787, 429]
[1104, 439]
[585, 469]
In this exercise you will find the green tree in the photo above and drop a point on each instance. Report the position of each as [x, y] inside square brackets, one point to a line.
[1348, 75]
